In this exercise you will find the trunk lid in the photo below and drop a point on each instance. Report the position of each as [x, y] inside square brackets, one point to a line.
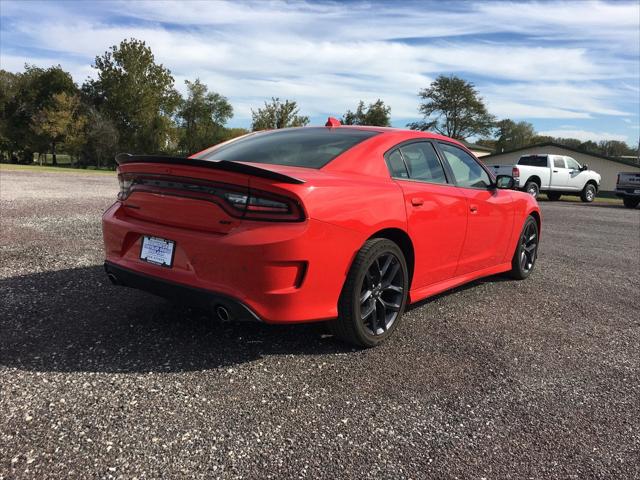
[203, 195]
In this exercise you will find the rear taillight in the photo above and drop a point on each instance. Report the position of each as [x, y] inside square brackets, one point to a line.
[238, 202]
[259, 205]
[125, 182]
[515, 173]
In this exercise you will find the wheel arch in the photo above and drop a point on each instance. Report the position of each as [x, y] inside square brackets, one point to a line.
[592, 182]
[534, 178]
[402, 239]
[536, 215]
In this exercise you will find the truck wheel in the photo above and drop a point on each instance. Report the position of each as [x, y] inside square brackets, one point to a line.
[374, 296]
[532, 189]
[588, 193]
[631, 202]
[526, 254]
[553, 196]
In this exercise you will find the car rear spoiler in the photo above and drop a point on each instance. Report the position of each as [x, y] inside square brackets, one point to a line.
[236, 167]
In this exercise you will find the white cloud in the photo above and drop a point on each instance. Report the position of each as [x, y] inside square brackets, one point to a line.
[330, 55]
[584, 135]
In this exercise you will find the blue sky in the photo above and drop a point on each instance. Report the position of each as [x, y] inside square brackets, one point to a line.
[570, 68]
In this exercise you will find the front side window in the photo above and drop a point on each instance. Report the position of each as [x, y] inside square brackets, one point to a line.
[422, 162]
[466, 170]
[311, 147]
[558, 162]
[572, 164]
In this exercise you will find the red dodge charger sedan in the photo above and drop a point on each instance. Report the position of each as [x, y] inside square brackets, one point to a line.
[336, 223]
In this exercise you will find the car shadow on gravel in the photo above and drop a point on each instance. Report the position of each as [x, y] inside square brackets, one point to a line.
[75, 320]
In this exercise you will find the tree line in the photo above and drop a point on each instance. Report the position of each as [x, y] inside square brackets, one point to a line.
[133, 106]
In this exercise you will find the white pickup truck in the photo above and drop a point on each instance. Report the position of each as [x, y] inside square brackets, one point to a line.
[556, 175]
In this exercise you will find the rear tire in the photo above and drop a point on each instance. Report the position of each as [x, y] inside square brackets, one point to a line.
[532, 188]
[588, 194]
[526, 254]
[554, 196]
[631, 202]
[374, 295]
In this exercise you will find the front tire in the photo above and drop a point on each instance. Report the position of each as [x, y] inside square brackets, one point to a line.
[631, 202]
[588, 194]
[374, 295]
[526, 254]
[532, 188]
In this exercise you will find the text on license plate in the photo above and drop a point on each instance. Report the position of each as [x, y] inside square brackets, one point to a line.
[157, 250]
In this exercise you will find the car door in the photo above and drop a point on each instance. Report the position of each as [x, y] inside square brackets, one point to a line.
[436, 210]
[576, 177]
[490, 211]
[559, 173]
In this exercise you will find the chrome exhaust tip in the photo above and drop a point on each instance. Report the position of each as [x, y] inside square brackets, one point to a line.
[223, 313]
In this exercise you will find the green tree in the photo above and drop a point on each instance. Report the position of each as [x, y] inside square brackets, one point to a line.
[8, 89]
[202, 117]
[137, 95]
[61, 122]
[230, 133]
[101, 144]
[568, 142]
[511, 135]
[452, 107]
[23, 96]
[615, 148]
[277, 114]
[589, 146]
[376, 114]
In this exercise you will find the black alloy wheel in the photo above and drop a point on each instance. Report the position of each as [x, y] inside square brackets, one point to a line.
[374, 295]
[526, 254]
[381, 294]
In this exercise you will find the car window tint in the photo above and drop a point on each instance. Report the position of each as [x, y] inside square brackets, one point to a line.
[558, 162]
[467, 171]
[571, 163]
[533, 160]
[311, 147]
[422, 162]
[396, 165]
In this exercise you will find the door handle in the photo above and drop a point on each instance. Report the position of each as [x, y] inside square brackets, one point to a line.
[473, 208]
[555, 171]
[416, 202]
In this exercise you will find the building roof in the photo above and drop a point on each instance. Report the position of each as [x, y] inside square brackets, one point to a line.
[475, 146]
[623, 161]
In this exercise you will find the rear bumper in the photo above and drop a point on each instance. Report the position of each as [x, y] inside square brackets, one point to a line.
[281, 272]
[627, 192]
[236, 310]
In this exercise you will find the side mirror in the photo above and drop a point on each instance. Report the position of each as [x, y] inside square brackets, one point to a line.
[584, 167]
[505, 182]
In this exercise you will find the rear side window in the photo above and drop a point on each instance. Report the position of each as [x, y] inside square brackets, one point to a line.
[558, 162]
[311, 147]
[533, 160]
[396, 165]
[466, 169]
[422, 162]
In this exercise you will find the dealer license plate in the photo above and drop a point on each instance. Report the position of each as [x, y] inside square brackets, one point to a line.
[157, 251]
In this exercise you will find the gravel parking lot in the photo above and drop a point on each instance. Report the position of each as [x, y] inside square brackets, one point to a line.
[498, 379]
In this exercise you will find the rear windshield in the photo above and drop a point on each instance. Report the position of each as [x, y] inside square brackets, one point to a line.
[301, 147]
[533, 160]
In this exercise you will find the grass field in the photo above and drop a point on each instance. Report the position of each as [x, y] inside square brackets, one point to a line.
[38, 168]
